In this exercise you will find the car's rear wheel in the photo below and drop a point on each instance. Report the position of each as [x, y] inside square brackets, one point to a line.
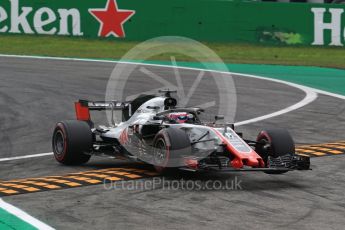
[71, 140]
[169, 146]
[274, 143]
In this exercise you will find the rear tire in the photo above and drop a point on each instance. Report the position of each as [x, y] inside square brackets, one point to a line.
[169, 146]
[71, 139]
[274, 143]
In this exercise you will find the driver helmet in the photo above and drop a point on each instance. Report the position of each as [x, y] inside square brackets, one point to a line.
[181, 117]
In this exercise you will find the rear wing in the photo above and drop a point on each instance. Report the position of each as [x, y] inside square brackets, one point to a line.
[83, 108]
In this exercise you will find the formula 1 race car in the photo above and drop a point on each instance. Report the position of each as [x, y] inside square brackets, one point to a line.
[155, 131]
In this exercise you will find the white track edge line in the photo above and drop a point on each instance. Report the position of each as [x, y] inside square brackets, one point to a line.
[24, 216]
[26, 156]
[310, 97]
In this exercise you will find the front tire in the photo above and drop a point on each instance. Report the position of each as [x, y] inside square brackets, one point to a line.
[274, 143]
[71, 139]
[169, 145]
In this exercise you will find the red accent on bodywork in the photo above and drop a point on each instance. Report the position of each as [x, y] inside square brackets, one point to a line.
[82, 112]
[236, 163]
[191, 163]
[124, 137]
[241, 158]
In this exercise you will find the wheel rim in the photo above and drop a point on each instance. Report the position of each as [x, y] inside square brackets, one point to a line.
[266, 145]
[59, 143]
[160, 152]
[264, 150]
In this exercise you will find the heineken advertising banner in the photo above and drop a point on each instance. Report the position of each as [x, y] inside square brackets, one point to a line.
[204, 20]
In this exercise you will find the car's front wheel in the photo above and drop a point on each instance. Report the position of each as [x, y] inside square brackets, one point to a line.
[71, 140]
[272, 144]
[169, 147]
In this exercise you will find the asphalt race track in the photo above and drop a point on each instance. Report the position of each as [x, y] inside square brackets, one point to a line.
[35, 94]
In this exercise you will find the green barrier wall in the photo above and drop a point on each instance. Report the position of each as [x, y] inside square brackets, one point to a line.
[204, 20]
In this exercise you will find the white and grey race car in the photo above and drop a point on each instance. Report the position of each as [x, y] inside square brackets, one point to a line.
[155, 131]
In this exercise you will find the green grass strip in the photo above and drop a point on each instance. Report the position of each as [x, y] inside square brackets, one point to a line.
[229, 52]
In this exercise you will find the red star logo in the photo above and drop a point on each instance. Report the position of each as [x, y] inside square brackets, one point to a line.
[111, 19]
